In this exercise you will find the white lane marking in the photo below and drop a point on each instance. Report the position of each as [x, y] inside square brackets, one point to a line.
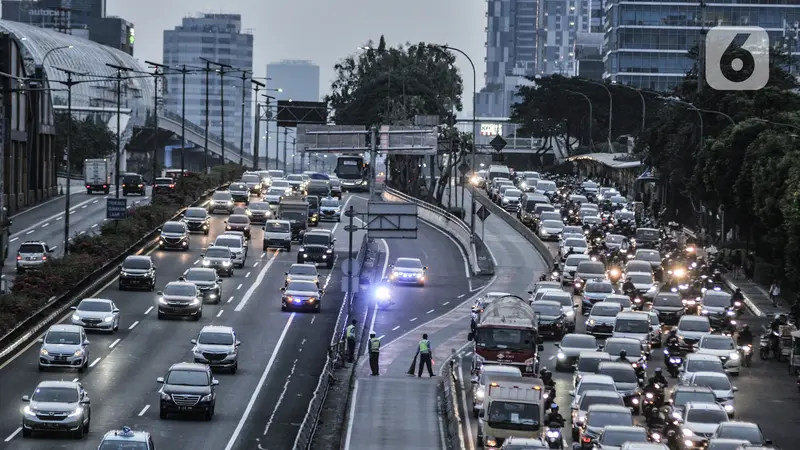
[75, 380]
[60, 217]
[195, 263]
[264, 254]
[429, 312]
[476, 289]
[239, 286]
[133, 325]
[395, 328]
[256, 283]
[43, 221]
[53, 247]
[464, 403]
[13, 435]
[344, 208]
[144, 410]
[46, 225]
[351, 416]
[551, 358]
[413, 319]
[260, 385]
[13, 239]
[381, 337]
[94, 226]
[230, 299]
[468, 354]
[445, 303]
[84, 206]
[256, 264]
[148, 310]
[114, 344]
[30, 232]
[280, 397]
[94, 363]
[220, 312]
[461, 296]
[247, 275]
[312, 320]
[95, 201]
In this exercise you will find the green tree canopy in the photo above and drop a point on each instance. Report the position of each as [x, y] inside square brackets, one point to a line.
[89, 140]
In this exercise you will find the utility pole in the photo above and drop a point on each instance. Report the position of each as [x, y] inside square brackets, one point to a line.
[294, 153]
[155, 125]
[268, 115]
[244, 98]
[208, 125]
[257, 85]
[285, 142]
[119, 70]
[222, 73]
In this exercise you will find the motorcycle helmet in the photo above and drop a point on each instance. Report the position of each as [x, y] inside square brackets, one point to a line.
[181, 278]
[554, 408]
[745, 327]
[658, 371]
[623, 354]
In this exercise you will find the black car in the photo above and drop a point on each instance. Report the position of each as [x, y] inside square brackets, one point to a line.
[238, 222]
[668, 307]
[188, 388]
[317, 247]
[197, 220]
[137, 272]
[163, 186]
[551, 318]
[313, 210]
[207, 281]
[133, 183]
[240, 192]
[174, 236]
[336, 188]
[320, 188]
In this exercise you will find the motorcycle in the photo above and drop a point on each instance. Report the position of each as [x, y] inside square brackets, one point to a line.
[383, 296]
[738, 307]
[673, 362]
[768, 343]
[641, 370]
[746, 352]
[729, 323]
[549, 397]
[553, 436]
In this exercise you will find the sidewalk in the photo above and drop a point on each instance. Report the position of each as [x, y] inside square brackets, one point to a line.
[756, 297]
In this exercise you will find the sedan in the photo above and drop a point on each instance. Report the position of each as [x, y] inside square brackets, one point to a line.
[302, 272]
[571, 347]
[96, 314]
[301, 294]
[408, 271]
[239, 222]
[550, 230]
[260, 212]
[614, 436]
[744, 431]
[724, 391]
[602, 318]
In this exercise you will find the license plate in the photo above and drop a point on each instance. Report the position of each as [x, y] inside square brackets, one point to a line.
[49, 425]
[61, 358]
[184, 408]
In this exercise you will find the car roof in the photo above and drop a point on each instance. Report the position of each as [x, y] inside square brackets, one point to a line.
[139, 258]
[311, 266]
[65, 327]
[323, 232]
[614, 365]
[556, 292]
[604, 305]
[200, 269]
[216, 329]
[238, 216]
[644, 446]
[702, 356]
[285, 222]
[57, 384]
[694, 318]
[623, 339]
[548, 303]
[197, 208]
[633, 315]
[408, 259]
[704, 406]
[609, 408]
[691, 388]
[596, 393]
[595, 355]
[579, 337]
[623, 428]
[740, 424]
[180, 283]
[193, 367]
[597, 378]
[710, 375]
[95, 299]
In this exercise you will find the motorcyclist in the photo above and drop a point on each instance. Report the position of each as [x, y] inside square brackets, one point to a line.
[554, 419]
[738, 296]
[543, 277]
[745, 336]
[657, 378]
[628, 286]
[623, 357]
[547, 378]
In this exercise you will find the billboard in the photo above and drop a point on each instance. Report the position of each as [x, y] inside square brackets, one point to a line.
[290, 113]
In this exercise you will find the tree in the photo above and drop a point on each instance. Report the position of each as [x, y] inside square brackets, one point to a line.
[89, 140]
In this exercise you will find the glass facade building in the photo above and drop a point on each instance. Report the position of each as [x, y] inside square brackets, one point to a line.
[647, 42]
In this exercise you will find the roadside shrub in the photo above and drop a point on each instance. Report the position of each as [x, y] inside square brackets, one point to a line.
[15, 309]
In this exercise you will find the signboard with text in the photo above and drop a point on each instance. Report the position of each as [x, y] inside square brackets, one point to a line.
[116, 208]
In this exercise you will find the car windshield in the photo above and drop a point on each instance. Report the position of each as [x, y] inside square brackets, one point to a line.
[599, 288]
[565, 300]
[187, 378]
[717, 301]
[618, 437]
[164, 180]
[620, 375]
[598, 419]
[330, 202]
[180, 290]
[704, 365]
[316, 239]
[583, 387]
[242, 219]
[631, 326]
[614, 239]
[63, 337]
[302, 286]
[602, 310]
[646, 234]
[277, 227]
[277, 191]
[592, 268]
[251, 178]
[624, 215]
[589, 400]
[546, 310]
[294, 178]
[633, 349]
[408, 263]
[706, 416]
[545, 186]
[641, 278]
[513, 193]
[619, 299]
[694, 325]
[649, 256]
[513, 415]
[574, 260]
[505, 338]
[201, 275]
[557, 224]
[715, 383]
[276, 173]
[589, 364]
[213, 338]
[195, 213]
[746, 433]
[227, 242]
[221, 252]
[302, 270]
[283, 184]
[55, 395]
[681, 398]
[667, 300]
[131, 179]
[123, 445]
[511, 372]
[221, 196]
[592, 220]
[174, 228]
[94, 306]
[579, 341]
[238, 187]
[31, 248]
[575, 243]
[717, 343]
[259, 206]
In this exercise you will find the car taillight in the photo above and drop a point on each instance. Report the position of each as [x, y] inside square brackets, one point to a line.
[44, 258]
[19, 257]
[105, 186]
[123, 185]
[586, 439]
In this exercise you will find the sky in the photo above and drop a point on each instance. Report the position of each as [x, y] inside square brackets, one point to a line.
[322, 31]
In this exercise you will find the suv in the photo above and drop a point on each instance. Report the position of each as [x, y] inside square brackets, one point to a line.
[133, 183]
[240, 192]
[64, 346]
[137, 272]
[197, 220]
[218, 347]
[317, 248]
[180, 298]
[127, 438]
[207, 280]
[175, 236]
[221, 200]
[32, 255]
[219, 259]
[57, 406]
[239, 222]
[700, 421]
[320, 188]
[188, 388]
[164, 185]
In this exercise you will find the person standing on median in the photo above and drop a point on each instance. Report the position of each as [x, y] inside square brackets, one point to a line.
[374, 353]
[424, 352]
[350, 335]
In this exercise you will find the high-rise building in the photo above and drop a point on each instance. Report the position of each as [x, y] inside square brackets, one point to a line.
[219, 38]
[648, 43]
[297, 80]
[83, 18]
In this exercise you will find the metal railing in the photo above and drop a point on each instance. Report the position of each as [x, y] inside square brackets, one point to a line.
[432, 208]
[232, 150]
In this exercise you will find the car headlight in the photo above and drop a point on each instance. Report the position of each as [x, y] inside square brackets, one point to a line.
[635, 401]
[592, 322]
[165, 396]
[230, 203]
[196, 301]
[226, 263]
[734, 356]
[561, 356]
[479, 394]
[301, 250]
[728, 408]
[76, 412]
[687, 432]
[78, 353]
[206, 398]
[491, 442]
[44, 352]
[570, 313]
[162, 301]
[329, 251]
[383, 293]
[206, 262]
[28, 411]
[419, 275]
[108, 319]
[76, 317]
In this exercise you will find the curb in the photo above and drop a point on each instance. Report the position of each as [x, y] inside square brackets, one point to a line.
[747, 302]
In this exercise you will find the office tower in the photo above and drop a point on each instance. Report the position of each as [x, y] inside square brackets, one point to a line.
[298, 80]
[648, 43]
[219, 38]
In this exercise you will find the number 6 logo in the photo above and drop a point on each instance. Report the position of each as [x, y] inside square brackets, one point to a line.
[739, 70]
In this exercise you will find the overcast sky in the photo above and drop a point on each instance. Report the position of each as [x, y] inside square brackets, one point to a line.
[323, 31]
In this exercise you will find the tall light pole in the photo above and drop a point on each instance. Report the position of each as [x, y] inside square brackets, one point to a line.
[610, 110]
[690, 107]
[208, 125]
[245, 74]
[119, 70]
[795, 127]
[591, 114]
[719, 113]
[222, 73]
[257, 85]
[54, 49]
[644, 103]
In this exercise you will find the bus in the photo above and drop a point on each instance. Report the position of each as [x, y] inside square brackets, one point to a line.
[353, 172]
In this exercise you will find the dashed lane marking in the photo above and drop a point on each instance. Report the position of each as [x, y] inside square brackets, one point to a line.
[144, 410]
[429, 311]
[256, 264]
[94, 363]
[220, 312]
[84, 206]
[148, 310]
[413, 319]
[195, 263]
[114, 344]
[381, 337]
[239, 286]
[133, 325]
[230, 299]
[13, 239]
[461, 296]
[13, 435]
[46, 225]
[30, 232]
[247, 275]
[95, 201]
[395, 328]
[445, 303]
[94, 226]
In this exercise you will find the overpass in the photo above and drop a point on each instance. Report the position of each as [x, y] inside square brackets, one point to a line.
[195, 134]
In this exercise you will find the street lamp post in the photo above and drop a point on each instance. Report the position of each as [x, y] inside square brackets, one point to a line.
[690, 107]
[610, 109]
[257, 85]
[719, 113]
[795, 127]
[591, 113]
[644, 103]
[222, 73]
[244, 99]
[119, 70]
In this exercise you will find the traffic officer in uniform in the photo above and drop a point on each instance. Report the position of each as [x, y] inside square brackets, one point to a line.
[424, 352]
[350, 334]
[374, 353]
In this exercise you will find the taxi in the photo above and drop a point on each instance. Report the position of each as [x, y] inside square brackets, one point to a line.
[127, 439]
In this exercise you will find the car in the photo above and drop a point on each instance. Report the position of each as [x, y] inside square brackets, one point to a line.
[181, 299]
[317, 248]
[683, 394]
[253, 181]
[591, 382]
[616, 242]
[551, 318]
[238, 222]
[594, 292]
[550, 230]
[644, 284]
[64, 346]
[330, 210]
[568, 306]
[692, 328]
[219, 259]
[62, 406]
[634, 325]
[587, 364]
[301, 294]
[577, 245]
[570, 266]
[163, 186]
[480, 382]
[624, 301]
[589, 270]
[133, 183]
[302, 272]
[592, 221]
[509, 199]
[278, 233]
[260, 212]
[218, 347]
[634, 348]
[724, 391]
[745, 431]
[221, 200]
[643, 446]
[408, 271]
[714, 305]
[197, 220]
[636, 266]
[626, 382]
[240, 192]
[274, 195]
[187, 388]
[598, 417]
[96, 314]
[137, 272]
[727, 444]
[336, 188]
[519, 443]
[589, 398]
[700, 363]
[237, 246]
[32, 255]
[700, 421]
[614, 436]
[126, 438]
[174, 236]
[295, 182]
[669, 307]
[207, 281]
[320, 188]
[571, 347]
[601, 318]
[723, 348]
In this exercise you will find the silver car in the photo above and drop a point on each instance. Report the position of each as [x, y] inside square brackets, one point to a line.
[32, 255]
[221, 200]
[408, 271]
[218, 347]
[57, 406]
[96, 314]
[602, 318]
[260, 212]
[64, 346]
[302, 272]
[330, 209]
[237, 247]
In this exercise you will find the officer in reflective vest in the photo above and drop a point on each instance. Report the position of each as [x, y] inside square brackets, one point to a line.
[374, 353]
[350, 334]
[424, 352]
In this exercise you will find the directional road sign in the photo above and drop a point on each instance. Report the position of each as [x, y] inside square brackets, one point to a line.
[483, 213]
[498, 143]
[116, 208]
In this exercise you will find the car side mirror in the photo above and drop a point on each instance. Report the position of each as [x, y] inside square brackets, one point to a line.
[600, 348]
[321, 291]
[74, 308]
[159, 293]
[334, 239]
[571, 393]
[211, 244]
[193, 341]
[159, 229]
[219, 281]
[225, 222]
[283, 289]
[530, 292]
[160, 380]
[425, 268]
[735, 389]
[115, 311]
[768, 441]
[391, 266]
[215, 382]
[41, 341]
[85, 401]
[238, 343]
[233, 256]
[86, 342]
[286, 273]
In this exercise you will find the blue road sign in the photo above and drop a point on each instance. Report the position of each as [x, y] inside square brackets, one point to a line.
[116, 208]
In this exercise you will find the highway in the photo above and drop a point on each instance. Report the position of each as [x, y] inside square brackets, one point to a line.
[767, 394]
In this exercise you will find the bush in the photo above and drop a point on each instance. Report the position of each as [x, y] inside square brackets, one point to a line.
[89, 252]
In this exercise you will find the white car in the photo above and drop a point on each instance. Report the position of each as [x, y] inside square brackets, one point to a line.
[700, 421]
[551, 229]
[591, 382]
[644, 283]
[616, 242]
[724, 391]
[592, 221]
[700, 363]
[723, 348]
[623, 300]
[577, 245]
[692, 328]
[479, 383]
[571, 347]
[96, 314]
[237, 246]
[573, 229]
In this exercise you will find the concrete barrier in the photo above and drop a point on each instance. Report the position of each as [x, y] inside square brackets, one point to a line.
[443, 220]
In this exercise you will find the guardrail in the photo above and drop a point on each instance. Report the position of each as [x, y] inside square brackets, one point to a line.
[333, 361]
[53, 310]
[451, 414]
[442, 219]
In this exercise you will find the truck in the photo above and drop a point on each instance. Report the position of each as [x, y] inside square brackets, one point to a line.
[514, 406]
[507, 332]
[294, 209]
[352, 172]
[97, 175]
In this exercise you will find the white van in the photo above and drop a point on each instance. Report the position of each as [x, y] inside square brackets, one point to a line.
[634, 325]
[278, 233]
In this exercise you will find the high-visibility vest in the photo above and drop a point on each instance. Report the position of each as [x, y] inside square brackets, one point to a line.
[351, 331]
[424, 346]
[374, 345]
